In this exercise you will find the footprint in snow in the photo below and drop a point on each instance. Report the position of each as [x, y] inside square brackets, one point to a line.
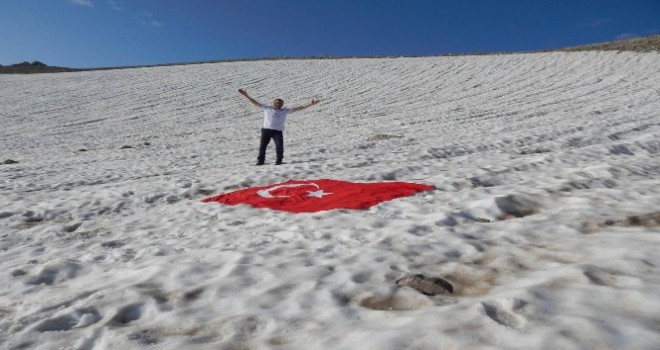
[79, 318]
[49, 275]
[128, 314]
[505, 315]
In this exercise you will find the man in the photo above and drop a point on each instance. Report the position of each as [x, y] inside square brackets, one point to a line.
[274, 118]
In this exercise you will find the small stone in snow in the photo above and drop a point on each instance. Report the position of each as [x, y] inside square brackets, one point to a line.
[426, 285]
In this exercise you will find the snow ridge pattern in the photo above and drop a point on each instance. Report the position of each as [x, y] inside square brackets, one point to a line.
[544, 217]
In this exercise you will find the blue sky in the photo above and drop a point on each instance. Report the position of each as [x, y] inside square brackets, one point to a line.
[102, 33]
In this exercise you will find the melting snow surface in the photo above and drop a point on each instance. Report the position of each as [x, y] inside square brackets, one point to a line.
[543, 163]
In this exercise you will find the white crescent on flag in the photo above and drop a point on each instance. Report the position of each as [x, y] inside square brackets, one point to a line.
[319, 193]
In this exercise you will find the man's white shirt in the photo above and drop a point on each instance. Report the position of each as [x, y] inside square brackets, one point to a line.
[274, 118]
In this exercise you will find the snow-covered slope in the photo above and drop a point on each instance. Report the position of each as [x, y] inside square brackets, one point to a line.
[540, 161]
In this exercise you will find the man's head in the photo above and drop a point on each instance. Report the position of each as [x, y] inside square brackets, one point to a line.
[278, 103]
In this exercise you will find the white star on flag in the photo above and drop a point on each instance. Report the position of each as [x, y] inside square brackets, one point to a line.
[317, 194]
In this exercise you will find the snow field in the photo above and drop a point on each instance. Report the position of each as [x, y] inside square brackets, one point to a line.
[538, 159]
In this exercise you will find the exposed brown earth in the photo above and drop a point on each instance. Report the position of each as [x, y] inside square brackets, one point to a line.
[644, 44]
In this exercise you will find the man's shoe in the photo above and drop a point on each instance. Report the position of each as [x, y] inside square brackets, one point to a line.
[260, 163]
[279, 163]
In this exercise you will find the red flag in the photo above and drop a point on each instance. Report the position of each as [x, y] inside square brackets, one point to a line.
[307, 196]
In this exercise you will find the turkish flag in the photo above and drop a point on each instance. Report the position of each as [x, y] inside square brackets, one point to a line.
[307, 196]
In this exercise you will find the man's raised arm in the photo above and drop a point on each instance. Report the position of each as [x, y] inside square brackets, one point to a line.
[253, 101]
[305, 106]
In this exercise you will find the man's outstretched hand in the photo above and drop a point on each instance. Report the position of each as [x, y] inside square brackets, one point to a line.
[314, 102]
[242, 92]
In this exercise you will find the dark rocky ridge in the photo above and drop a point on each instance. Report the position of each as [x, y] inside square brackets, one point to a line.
[34, 67]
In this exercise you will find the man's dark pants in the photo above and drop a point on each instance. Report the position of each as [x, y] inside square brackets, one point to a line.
[266, 135]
